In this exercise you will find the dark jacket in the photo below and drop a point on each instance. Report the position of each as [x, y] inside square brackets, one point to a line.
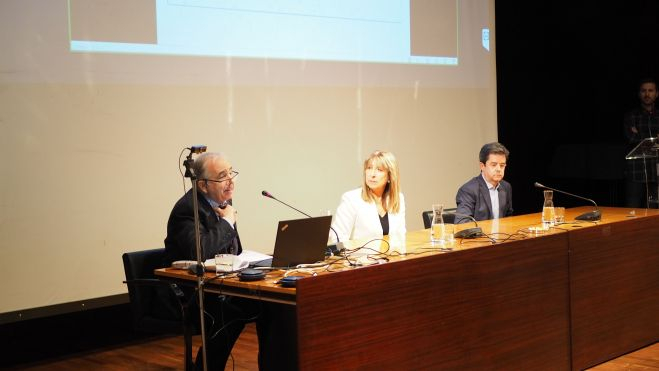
[473, 198]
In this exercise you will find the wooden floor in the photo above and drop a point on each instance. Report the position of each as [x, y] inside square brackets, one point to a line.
[167, 353]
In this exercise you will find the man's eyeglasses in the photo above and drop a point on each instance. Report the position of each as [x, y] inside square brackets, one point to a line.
[232, 174]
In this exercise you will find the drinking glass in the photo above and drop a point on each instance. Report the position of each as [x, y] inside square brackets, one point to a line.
[559, 215]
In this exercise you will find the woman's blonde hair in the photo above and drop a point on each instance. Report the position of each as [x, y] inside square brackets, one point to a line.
[390, 197]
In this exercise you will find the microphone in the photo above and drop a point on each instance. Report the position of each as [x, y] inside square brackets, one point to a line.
[334, 249]
[469, 232]
[268, 195]
[589, 216]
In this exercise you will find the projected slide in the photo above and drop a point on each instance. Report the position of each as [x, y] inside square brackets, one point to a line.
[384, 31]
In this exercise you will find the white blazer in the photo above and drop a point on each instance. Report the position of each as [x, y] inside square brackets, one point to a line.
[358, 219]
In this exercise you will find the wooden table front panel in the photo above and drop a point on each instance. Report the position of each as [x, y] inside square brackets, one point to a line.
[498, 307]
[614, 270]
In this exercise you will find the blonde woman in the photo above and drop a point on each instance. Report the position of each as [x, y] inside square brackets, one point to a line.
[375, 209]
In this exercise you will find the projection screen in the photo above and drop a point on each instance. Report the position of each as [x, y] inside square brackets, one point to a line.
[98, 99]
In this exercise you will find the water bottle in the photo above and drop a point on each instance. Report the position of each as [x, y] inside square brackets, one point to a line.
[437, 224]
[548, 210]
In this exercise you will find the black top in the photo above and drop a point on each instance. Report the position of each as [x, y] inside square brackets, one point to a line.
[384, 221]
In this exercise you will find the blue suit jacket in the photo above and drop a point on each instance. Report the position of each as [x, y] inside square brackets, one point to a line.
[473, 198]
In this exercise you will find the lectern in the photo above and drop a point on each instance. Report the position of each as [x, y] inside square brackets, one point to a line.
[648, 148]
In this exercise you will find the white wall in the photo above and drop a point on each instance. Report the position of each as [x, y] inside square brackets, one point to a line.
[90, 145]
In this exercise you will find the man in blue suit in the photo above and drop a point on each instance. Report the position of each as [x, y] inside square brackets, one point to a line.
[487, 196]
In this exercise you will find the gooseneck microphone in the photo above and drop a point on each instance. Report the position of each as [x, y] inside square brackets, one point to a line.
[589, 216]
[334, 249]
[469, 232]
[268, 195]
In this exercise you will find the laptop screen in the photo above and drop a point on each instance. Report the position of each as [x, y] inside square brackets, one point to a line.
[301, 241]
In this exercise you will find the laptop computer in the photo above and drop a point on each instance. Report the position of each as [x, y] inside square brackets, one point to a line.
[299, 241]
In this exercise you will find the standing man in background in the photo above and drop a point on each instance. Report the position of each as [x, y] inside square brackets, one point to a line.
[640, 123]
[487, 195]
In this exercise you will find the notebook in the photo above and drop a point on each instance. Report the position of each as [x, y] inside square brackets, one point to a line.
[299, 241]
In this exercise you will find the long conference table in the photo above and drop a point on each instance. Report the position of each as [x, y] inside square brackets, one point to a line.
[568, 298]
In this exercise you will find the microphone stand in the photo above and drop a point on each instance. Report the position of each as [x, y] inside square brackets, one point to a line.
[199, 269]
[268, 195]
[592, 216]
[333, 251]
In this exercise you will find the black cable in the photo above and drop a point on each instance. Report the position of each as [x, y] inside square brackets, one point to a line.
[181, 170]
[478, 239]
[382, 254]
[226, 334]
[246, 320]
[232, 274]
[509, 237]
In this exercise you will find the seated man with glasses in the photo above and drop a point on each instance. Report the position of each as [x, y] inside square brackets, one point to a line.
[226, 317]
[218, 235]
[217, 217]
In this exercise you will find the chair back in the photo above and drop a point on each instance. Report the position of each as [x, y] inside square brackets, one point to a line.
[157, 306]
[153, 303]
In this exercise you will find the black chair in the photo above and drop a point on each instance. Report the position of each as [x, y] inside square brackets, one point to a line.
[158, 307]
[448, 216]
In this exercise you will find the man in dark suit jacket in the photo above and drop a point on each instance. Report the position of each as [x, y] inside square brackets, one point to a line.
[226, 316]
[218, 235]
[487, 196]
[217, 217]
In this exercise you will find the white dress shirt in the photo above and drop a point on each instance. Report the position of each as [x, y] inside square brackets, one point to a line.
[494, 197]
